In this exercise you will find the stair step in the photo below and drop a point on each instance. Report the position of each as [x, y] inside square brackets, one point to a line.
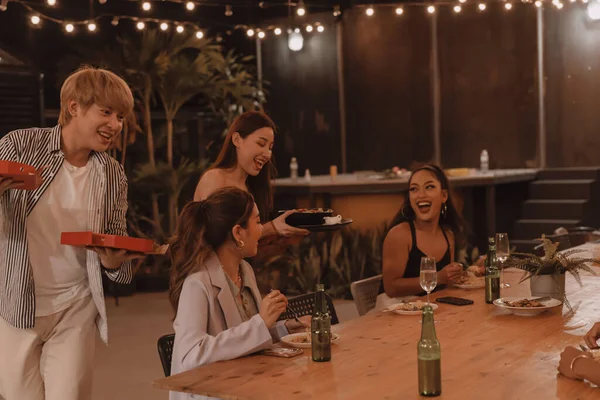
[569, 173]
[561, 189]
[524, 245]
[555, 209]
[534, 228]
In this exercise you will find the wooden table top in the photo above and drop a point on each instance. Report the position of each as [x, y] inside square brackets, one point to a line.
[486, 354]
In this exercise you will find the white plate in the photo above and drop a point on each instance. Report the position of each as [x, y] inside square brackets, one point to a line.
[467, 286]
[288, 340]
[526, 311]
[403, 312]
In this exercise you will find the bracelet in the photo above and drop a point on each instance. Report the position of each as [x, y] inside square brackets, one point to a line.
[573, 364]
[274, 228]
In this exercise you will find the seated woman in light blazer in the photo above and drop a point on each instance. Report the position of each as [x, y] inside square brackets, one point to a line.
[219, 311]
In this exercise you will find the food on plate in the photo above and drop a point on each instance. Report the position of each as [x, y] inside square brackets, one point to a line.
[475, 271]
[313, 210]
[411, 306]
[525, 303]
[305, 338]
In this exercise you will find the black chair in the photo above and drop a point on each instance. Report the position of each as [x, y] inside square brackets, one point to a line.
[165, 352]
[304, 305]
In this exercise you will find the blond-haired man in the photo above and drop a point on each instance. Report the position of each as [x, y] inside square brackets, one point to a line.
[51, 297]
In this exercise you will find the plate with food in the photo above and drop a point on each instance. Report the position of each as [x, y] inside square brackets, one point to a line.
[473, 278]
[527, 307]
[410, 307]
[303, 340]
[307, 216]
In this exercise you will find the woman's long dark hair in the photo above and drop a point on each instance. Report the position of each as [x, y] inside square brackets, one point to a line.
[452, 220]
[260, 185]
[203, 227]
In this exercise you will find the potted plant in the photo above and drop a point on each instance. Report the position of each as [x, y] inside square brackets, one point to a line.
[546, 274]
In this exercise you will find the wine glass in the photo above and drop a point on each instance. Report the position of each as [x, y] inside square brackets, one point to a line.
[502, 253]
[428, 277]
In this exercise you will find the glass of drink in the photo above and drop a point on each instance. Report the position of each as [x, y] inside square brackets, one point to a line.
[428, 277]
[502, 253]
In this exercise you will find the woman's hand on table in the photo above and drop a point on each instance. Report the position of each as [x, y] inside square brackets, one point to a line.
[294, 326]
[450, 273]
[566, 359]
[592, 336]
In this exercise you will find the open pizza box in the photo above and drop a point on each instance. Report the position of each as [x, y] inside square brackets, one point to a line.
[28, 177]
[90, 239]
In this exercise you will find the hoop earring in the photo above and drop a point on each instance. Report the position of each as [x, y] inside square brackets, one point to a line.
[404, 213]
[239, 245]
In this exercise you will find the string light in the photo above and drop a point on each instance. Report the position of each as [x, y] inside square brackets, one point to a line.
[35, 20]
[462, 1]
[508, 6]
[146, 6]
[180, 29]
[51, 2]
[431, 9]
[140, 25]
[538, 3]
[199, 34]
[370, 11]
[337, 11]
[301, 10]
[69, 28]
[92, 27]
[164, 26]
[457, 9]
[399, 11]
[115, 21]
[190, 5]
[482, 7]
[560, 6]
[321, 28]
[250, 32]
[228, 11]
[277, 31]
[261, 35]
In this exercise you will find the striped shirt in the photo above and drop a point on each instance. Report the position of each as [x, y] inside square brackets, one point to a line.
[40, 147]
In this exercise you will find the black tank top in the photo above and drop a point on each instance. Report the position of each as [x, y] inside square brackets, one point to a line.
[413, 265]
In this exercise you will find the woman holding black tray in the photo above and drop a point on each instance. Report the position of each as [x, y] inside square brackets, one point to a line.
[428, 225]
[245, 162]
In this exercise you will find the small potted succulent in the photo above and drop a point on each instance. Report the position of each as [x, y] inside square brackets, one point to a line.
[547, 274]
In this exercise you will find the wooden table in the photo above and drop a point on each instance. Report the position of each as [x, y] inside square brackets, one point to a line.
[486, 354]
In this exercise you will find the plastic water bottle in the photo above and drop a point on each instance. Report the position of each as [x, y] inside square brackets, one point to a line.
[484, 160]
[294, 169]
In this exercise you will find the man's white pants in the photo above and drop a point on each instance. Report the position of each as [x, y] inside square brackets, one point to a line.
[52, 361]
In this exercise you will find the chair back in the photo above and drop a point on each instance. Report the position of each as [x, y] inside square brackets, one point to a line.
[365, 293]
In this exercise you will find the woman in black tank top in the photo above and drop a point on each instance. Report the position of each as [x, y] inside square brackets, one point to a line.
[428, 225]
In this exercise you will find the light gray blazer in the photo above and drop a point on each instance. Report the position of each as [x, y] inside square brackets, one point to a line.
[208, 326]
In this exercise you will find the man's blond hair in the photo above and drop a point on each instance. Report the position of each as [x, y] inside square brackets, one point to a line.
[88, 86]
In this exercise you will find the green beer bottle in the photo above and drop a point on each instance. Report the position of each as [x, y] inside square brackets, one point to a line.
[429, 356]
[321, 328]
[492, 274]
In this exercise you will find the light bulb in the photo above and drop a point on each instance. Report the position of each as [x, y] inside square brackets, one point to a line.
[309, 28]
[199, 34]
[180, 29]
[337, 11]
[482, 7]
[431, 9]
[190, 5]
[51, 2]
[261, 35]
[560, 6]
[320, 28]
[35, 20]
[399, 11]
[250, 32]
[69, 28]
[164, 26]
[301, 11]
[508, 6]
[538, 3]
[146, 6]
[462, 1]
[228, 11]
[140, 25]
[370, 11]
[115, 21]
[92, 27]
[295, 41]
[457, 9]
[277, 31]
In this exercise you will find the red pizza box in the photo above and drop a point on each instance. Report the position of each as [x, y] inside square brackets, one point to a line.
[28, 176]
[85, 239]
